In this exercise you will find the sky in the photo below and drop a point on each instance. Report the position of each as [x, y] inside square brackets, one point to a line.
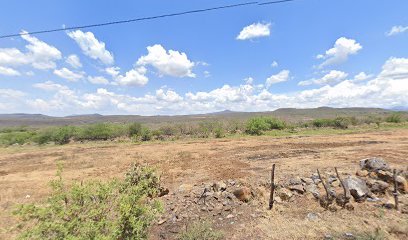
[299, 54]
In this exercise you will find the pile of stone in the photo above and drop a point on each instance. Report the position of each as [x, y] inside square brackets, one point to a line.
[220, 200]
[373, 182]
[229, 200]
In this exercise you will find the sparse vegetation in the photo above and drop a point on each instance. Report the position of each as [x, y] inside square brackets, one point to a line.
[201, 231]
[258, 125]
[138, 132]
[117, 209]
[394, 118]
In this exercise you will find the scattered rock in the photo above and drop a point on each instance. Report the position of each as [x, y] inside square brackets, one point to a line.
[385, 176]
[402, 184]
[219, 186]
[163, 192]
[243, 194]
[185, 187]
[349, 236]
[332, 208]
[297, 188]
[315, 178]
[285, 194]
[389, 204]
[332, 179]
[377, 186]
[357, 187]
[229, 216]
[374, 164]
[362, 173]
[373, 175]
[312, 188]
[307, 181]
[295, 181]
[278, 199]
[349, 207]
[312, 217]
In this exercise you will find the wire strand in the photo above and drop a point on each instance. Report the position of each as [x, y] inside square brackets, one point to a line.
[144, 18]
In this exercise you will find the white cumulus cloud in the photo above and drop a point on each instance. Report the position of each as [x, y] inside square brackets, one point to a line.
[362, 76]
[98, 80]
[68, 74]
[255, 30]
[39, 54]
[282, 76]
[9, 71]
[170, 63]
[274, 64]
[91, 46]
[134, 77]
[342, 49]
[397, 30]
[333, 76]
[73, 61]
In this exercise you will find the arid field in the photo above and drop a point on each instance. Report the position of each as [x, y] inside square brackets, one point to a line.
[26, 170]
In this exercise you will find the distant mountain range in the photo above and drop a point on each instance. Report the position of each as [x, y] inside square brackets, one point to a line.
[289, 114]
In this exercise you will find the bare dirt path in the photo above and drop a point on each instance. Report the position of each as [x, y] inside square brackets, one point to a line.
[25, 171]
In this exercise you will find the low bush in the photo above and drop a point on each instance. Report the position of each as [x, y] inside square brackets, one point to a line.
[10, 138]
[134, 129]
[394, 118]
[118, 209]
[219, 132]
[338, 122]
[257, 125]
[146, 134]
[63, 135]
[100, 131]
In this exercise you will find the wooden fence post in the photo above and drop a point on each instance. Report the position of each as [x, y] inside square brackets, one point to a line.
[272, 187]
[395, 189]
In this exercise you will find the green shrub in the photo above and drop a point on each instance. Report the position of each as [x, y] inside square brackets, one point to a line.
[338, 122]
[219, 132]
[201, 231]
[322, 122]
[134, 129]
[168, 130]
[99, 131]
[146, 134]
[63, 135]
[275, 123]
[341, 122]
[257, 125]
[118, 209]
[43, 137]
[10, 138]
[394, 118]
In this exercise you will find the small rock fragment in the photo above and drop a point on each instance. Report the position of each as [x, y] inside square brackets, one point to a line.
[243, 194]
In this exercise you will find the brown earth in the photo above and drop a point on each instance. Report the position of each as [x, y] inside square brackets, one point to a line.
[25, 172]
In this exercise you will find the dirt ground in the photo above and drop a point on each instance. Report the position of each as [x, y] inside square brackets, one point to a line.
[26, 171]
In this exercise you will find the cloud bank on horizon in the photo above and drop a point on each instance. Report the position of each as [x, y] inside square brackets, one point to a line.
[91, 77]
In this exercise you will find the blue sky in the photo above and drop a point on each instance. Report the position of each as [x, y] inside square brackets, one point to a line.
[306, 53]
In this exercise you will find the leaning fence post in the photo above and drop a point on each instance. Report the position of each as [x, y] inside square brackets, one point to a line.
[272, 187]
[324, 185]
[346, 198]
[395, 189]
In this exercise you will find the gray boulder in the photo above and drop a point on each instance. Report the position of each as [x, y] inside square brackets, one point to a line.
[357, 188]
[374, 164]
[378, 186]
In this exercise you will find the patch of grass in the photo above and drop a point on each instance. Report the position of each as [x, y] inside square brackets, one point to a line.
[201, 231]
[118, 209]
